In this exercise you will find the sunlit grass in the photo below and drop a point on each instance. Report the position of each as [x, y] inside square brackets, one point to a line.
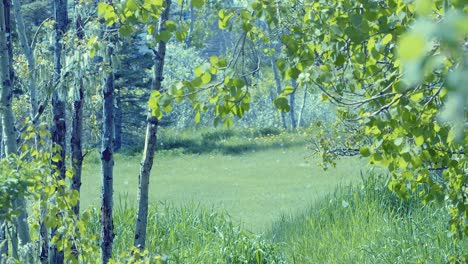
[255, 188]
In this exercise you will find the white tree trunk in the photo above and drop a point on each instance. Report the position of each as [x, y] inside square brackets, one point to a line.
[150, 141]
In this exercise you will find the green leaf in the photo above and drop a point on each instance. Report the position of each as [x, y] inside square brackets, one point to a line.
[417, 97]
[282, 104]
[56, 158]
[197, 117]
[214, 60]
[198, 71]
[181, 35]
[419, 140]
[292, 73]
[125, 30]
[206, 78]
[102, 8]
[171, 26]
[222, 63]
[365, 151]
[387, 39]
[198, 3]
[164, 36]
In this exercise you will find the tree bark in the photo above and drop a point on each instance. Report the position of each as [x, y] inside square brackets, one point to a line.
[301, 112]
[150, 140]
[76, 147]
[292, 104]
[58, 112]
[107, 160]
[8, 119]
[118, 123]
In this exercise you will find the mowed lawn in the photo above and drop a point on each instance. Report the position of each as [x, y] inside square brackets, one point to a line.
[254, 188]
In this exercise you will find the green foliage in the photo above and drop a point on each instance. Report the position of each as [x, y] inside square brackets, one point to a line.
[29, 175]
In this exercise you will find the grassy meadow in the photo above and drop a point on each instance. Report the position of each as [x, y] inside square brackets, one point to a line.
[255, 186]
[248, 197]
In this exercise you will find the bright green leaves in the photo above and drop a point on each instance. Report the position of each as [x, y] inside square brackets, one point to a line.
[206, 78]
[224, 18]
[153, 104]
[107, 12]
[419, 140]
[387, 39]
[416, 97]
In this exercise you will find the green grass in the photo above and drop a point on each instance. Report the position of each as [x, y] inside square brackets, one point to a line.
[188, 234]
[366, 223]
[255, 187]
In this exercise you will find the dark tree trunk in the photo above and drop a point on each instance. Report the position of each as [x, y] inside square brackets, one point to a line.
[150, 141]
[77, 121]
[59, 113]
[107, 160]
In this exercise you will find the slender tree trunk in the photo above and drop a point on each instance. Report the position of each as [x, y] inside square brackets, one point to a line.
[59, 113]
[292, 103]
[8, 120]
[77, 119]
[118, 122]
[107, 160]
[189, 39]
[150, 140]
[301, 112]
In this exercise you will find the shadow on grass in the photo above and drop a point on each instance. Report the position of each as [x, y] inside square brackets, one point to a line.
[232, 146]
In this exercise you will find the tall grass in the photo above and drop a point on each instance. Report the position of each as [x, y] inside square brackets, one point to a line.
[190, 234]
[367, 223]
